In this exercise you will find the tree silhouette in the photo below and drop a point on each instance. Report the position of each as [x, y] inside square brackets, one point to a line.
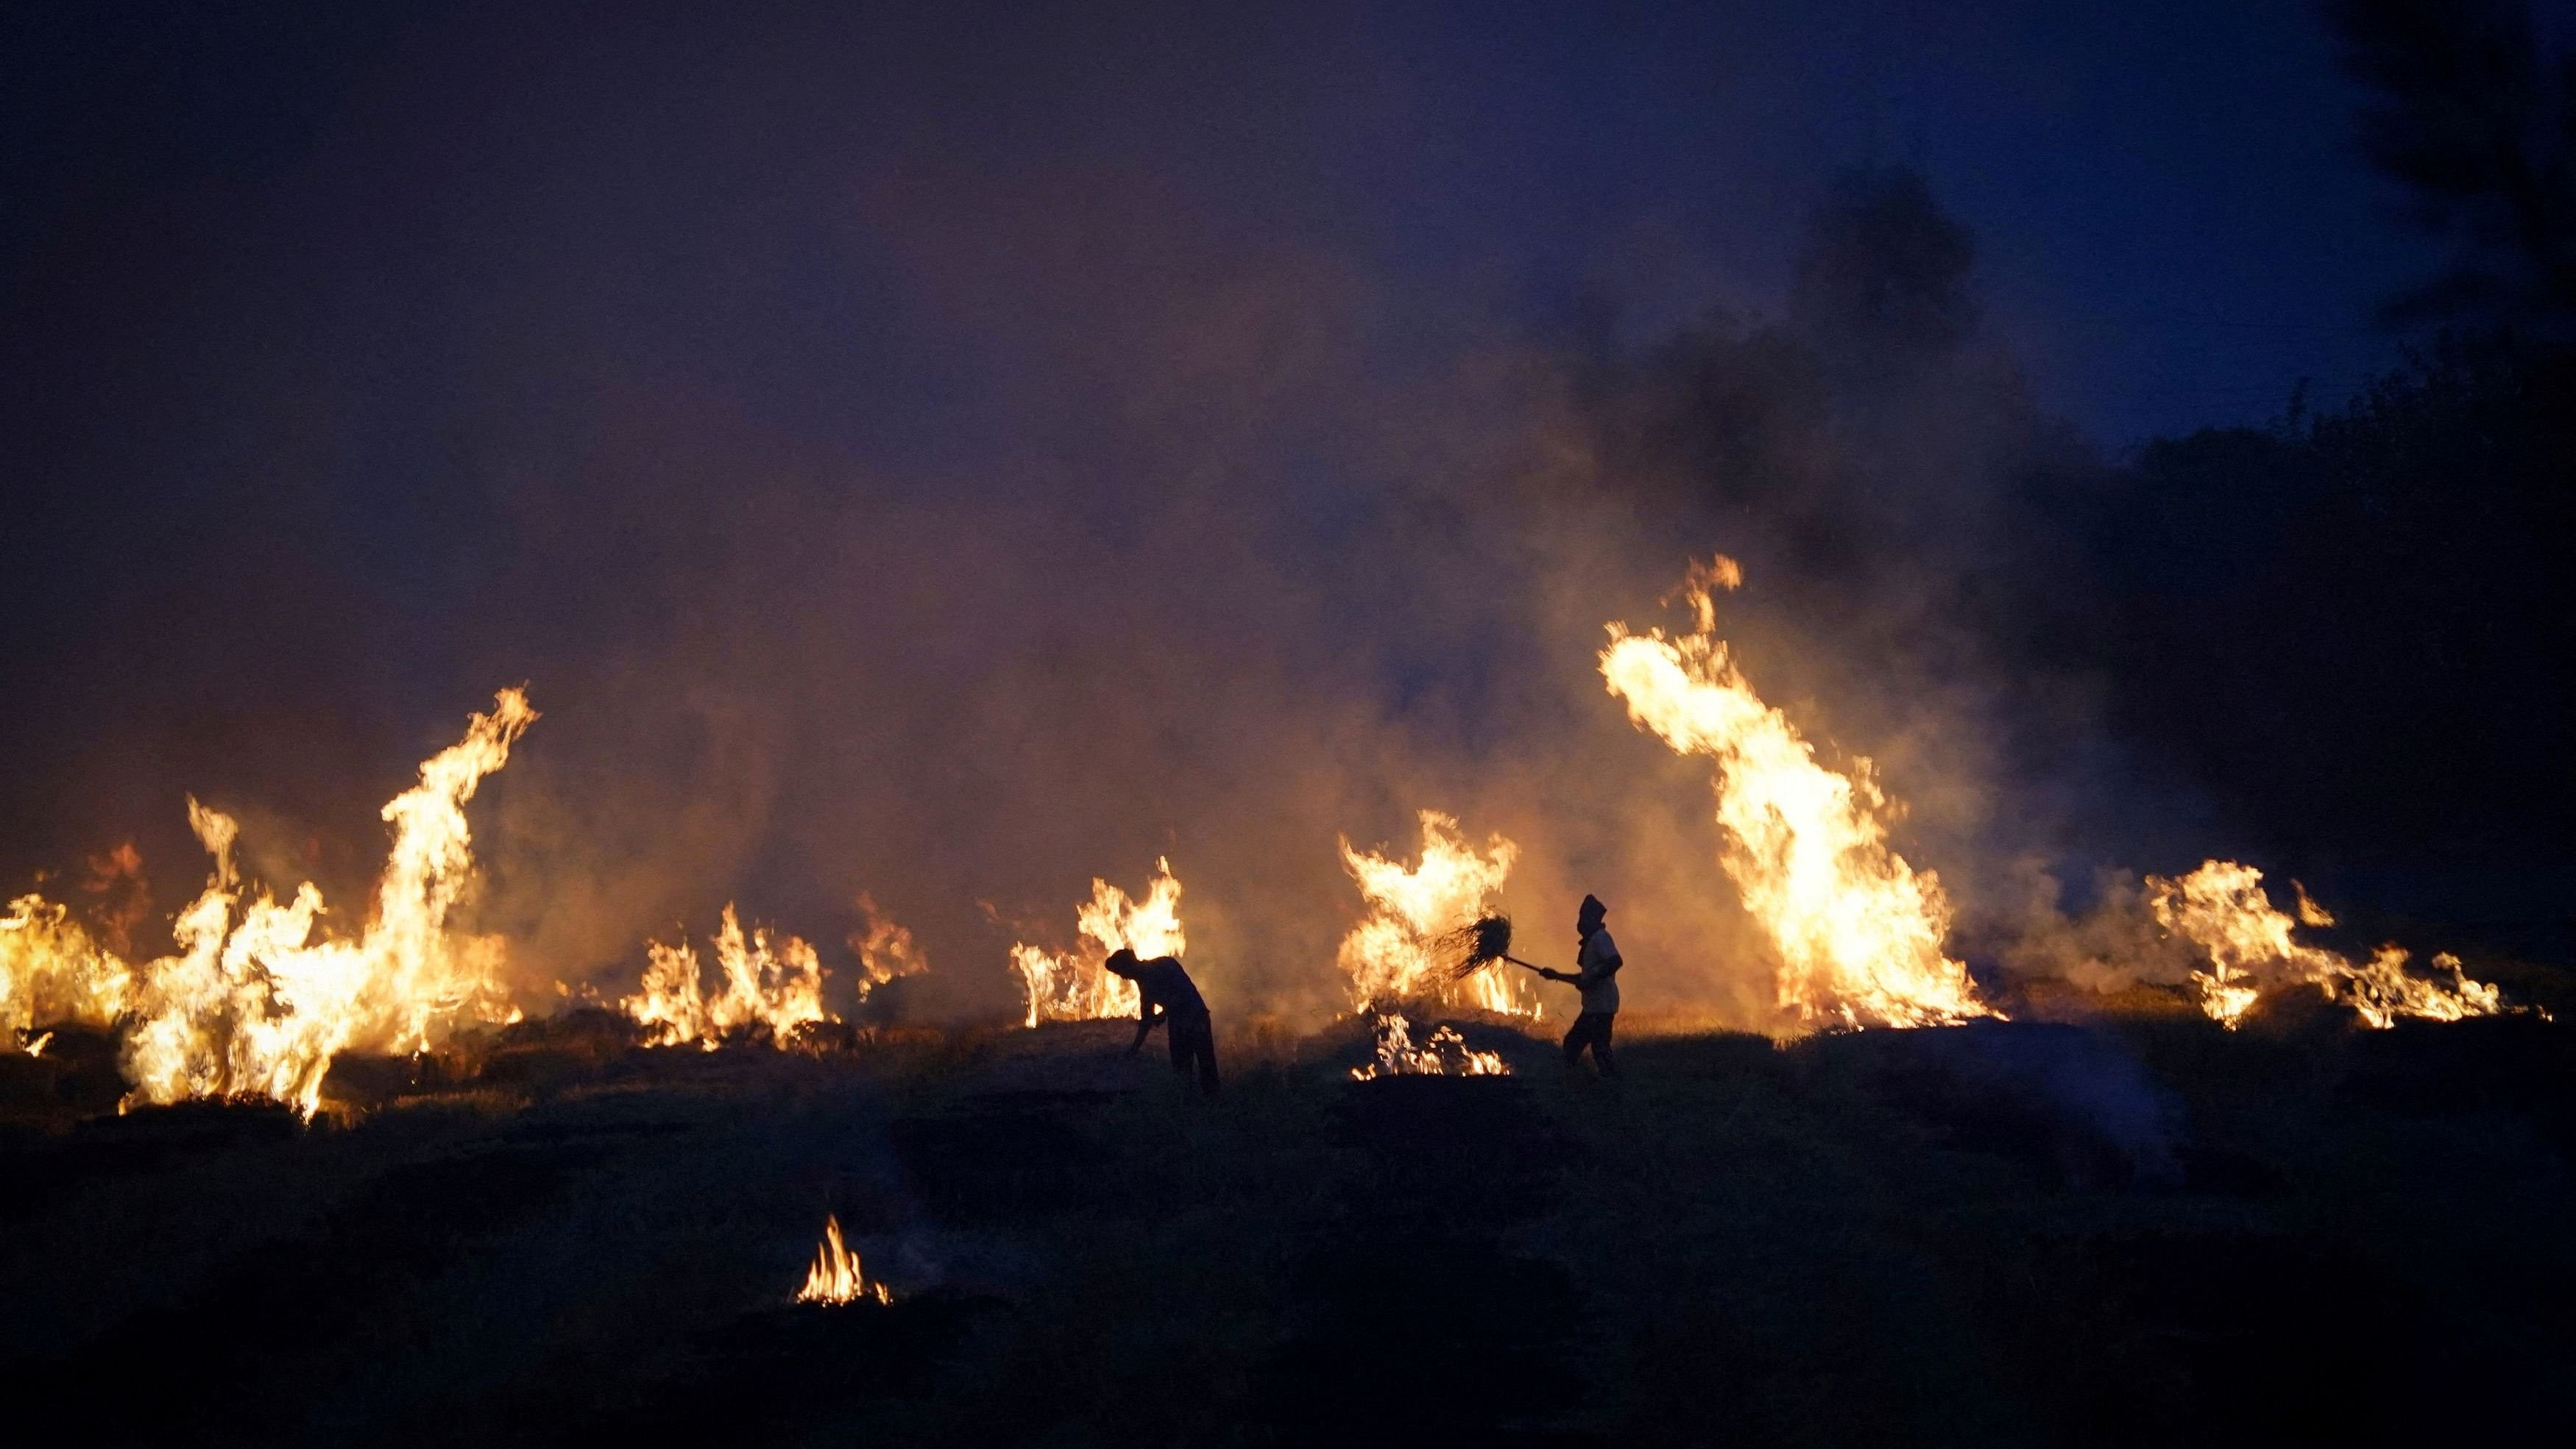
[2479, 126]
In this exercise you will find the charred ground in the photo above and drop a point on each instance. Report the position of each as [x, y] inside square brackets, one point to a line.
[2142, 1231]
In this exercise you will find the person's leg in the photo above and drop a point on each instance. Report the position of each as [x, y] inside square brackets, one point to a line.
[1601, 1046]
[1575, 1036]
[1177, 1037]
[1207, 1058]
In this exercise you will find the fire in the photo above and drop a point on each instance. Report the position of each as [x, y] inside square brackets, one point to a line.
[1075, 985]
[885, 950]
[2222, 910]
[252, 1005]
[51, 971]
[1858, 931]
[835, 1277]
[775, 987]
[1391, 954]
[1443, 1053]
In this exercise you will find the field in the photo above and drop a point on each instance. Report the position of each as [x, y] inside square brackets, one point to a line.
[2141, 1232]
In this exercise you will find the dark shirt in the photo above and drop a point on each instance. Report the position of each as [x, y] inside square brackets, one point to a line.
[1162, 982]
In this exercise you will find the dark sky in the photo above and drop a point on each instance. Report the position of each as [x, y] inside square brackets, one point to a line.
[2173, 223]
[359, 358]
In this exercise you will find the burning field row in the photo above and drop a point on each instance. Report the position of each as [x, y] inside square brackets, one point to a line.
[262, 994]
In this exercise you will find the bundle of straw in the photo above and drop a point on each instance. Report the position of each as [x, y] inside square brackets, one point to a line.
[1479, 944]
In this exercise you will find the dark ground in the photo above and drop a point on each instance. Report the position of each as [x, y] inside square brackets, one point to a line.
[2149, 1232]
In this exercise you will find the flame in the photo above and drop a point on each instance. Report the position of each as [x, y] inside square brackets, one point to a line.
[835, 1277]
[252, 1005]
[776, 987]
[52, 971]
[1074, 985]
[2223, 910]
[1858, 931]
[1443, 1053]
[885, 950]
[1392, 953]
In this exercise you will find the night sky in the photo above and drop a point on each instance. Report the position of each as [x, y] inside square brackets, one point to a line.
[361, 359]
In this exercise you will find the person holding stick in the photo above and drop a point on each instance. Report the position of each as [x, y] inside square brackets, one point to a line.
[1165, 993]
[1596, 976]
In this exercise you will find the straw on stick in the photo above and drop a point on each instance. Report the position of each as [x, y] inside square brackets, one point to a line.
[1479, 944]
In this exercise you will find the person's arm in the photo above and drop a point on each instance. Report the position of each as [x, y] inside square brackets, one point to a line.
[1148, 1017]
[1600, 970]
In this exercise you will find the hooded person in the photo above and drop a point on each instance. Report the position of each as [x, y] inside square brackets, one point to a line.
[1595, 976]
[1165, 993]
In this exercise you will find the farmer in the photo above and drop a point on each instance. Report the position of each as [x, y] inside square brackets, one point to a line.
[1165, 993]
[1596, 975]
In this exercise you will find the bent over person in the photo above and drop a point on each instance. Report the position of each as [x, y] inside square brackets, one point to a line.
[1596, 976]
[1166, 994]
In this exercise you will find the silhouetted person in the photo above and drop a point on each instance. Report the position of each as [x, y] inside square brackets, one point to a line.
[1595, 974]
[1166, 994]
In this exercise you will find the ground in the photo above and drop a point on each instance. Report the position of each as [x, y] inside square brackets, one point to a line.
[2142, 1231]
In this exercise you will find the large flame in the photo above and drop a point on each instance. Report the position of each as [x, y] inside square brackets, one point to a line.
[834, 1277]
[1393, 953]
[255, 1006]
[778, 988]
[252, 1004]
[2223, 910]
[1074, 985]
[1444, 1053]
[1858, 931]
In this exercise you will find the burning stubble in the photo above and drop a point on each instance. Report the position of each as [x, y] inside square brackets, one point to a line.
[254, 1003]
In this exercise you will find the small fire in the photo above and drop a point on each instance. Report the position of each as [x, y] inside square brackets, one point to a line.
[1442, 1054]
[252, 1005]
[885, 950]
[777, 987]
[1393, 953]
[835, 1277]
[1858, 931]
[2223, 910]
[1075, 985]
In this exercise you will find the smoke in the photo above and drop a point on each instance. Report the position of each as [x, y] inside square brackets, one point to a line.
[944, 490]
